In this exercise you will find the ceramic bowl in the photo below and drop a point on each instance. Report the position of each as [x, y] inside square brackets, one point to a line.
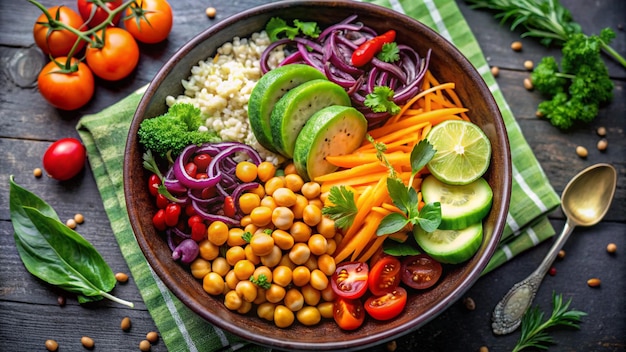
[446, 63]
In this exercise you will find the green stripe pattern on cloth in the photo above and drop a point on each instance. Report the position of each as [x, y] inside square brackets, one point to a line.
[104, 135]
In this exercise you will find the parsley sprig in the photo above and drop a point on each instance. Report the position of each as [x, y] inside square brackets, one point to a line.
[381, 100]
[343, 207]
[534, 332]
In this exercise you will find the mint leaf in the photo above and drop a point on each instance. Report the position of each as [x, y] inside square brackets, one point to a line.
[421, 154]
[430, 217]
[391, 223]
[399, 194]
[398, 249]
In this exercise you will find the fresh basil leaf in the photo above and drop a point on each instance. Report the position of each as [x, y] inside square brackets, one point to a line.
[420, 155]
[391, 223]
[430, 217]
[398, 249]
[398, 193]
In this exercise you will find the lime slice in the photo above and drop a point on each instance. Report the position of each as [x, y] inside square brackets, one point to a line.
[463, 152]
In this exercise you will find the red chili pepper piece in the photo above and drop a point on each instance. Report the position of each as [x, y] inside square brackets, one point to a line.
[366, 51]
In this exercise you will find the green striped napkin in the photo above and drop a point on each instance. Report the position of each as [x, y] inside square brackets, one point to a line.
[104, 135]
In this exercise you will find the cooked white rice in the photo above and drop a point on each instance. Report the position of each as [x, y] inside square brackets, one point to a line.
[220, 86]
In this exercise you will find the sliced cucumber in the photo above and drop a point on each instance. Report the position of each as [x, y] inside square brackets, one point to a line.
[451, 246]
[461, 205]
[293, 110]
[334, 130]
[268, 90]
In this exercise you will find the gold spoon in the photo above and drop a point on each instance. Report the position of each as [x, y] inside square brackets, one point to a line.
[585, 200]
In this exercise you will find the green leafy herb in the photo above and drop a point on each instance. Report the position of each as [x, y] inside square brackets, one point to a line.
[267, 231]
[343, 208]
[277, 27]
[246, 236]
[534, 332]
[381, 100]
[150, 164]
[398, 249]
[55, 253]
[261, 281]
[389, 52]
[381, 148]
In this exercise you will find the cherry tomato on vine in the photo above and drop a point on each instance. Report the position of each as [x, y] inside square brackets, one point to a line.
[149, 21]
[386, 306]
[348, 313]
[420, 271]
[93, 14]
[66, 90]
[64, 158]
[384, 275]
[350, 279]
[114, 55]
[58, 41]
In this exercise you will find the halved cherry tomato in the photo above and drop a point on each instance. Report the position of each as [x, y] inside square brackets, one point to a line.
[229, 206]
[149, 21]
[113, 55]
[191, 169]
[153, 184]
[384, 275]
[348, 313]
[64, 158]
[387, 306]
[95, 14]
[58, 41]
[350, 279]
[420, 271]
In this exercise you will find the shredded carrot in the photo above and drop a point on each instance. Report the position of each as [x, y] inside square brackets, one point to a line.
[356, 159]
[355, 171]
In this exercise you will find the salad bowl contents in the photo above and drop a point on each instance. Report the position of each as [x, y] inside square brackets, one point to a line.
[318, 175]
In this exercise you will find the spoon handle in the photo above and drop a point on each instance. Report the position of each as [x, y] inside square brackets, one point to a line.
[508, 313]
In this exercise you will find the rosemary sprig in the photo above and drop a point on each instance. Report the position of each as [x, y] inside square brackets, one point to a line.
[534, 329]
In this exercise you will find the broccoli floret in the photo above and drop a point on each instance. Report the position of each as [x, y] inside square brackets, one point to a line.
[174, 130]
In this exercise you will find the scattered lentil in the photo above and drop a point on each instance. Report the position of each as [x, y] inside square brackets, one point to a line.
[552, 271]
[483, 349]
[561, 254]
[37, 172]
[152, 336]
[125, 324]
[79, 218]
[529, 65]
[602, 144]
[210, 12]
[601, 131]
[581, 151]
[469, 303]
[392, 346]
[121, 277]
[61, 301]
[528, 84]
[516, 46]
[538, 114]
[71, 223]
[611, 248]
[593, 282]
[495, 71]
[144, 345]
[51, 345]
[87, 342]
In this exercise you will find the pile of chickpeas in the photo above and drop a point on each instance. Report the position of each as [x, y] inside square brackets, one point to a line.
[279, 260]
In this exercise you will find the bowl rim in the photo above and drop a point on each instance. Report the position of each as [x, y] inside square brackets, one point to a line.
[374, 339]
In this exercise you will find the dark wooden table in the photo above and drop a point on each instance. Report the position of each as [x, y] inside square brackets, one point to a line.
[30, 314]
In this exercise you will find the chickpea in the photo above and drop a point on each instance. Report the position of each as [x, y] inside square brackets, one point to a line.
[516, 46]
[235, 254]
[581, 151]
[311, 215]
[152, 337]
[200, 267]
[311, 296]
[265, 171]
[284, 197]
[213, 283]
[311, 190]
[245, 221]
[283, 317]
[208, 250]
[262, 271]
[309, 316]
[299, 253]
[293, 299]
[261, 216]
[121, 277]
[319, 280]
[529, 65]
[326, 263]
[268, 201]
[231, 279]
[260, 296]
[318, 244]
[285, 261]
[218, 233]
[79, 218]
[246, 290]
[495, 71]
[326, 227]
[38, 172]
[235, 237]
[282, 218]
[273, 184]
[249, 201]
[144, 345]
[273, 259]
[251, 228]
[258, 190]
[210, 12]
[328, 294]
[51, 345]
[282, 239]
[301, 275]
[246, 171]
[331, 246]
[294, 182]
[250, 255]
[125, 324]
[300, 231]
[326, 309]
[290, 169]
[245, 308]
[262, 244]
[275, 293]
[232, 300]
[528, 84]
[298, 208]
[282, 275]
[87, 342]
[266, 311]
[316, 202]
[220, 266]
[311, 263]
[244, 269]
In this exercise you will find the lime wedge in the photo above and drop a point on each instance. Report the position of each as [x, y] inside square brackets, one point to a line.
[463, 152]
